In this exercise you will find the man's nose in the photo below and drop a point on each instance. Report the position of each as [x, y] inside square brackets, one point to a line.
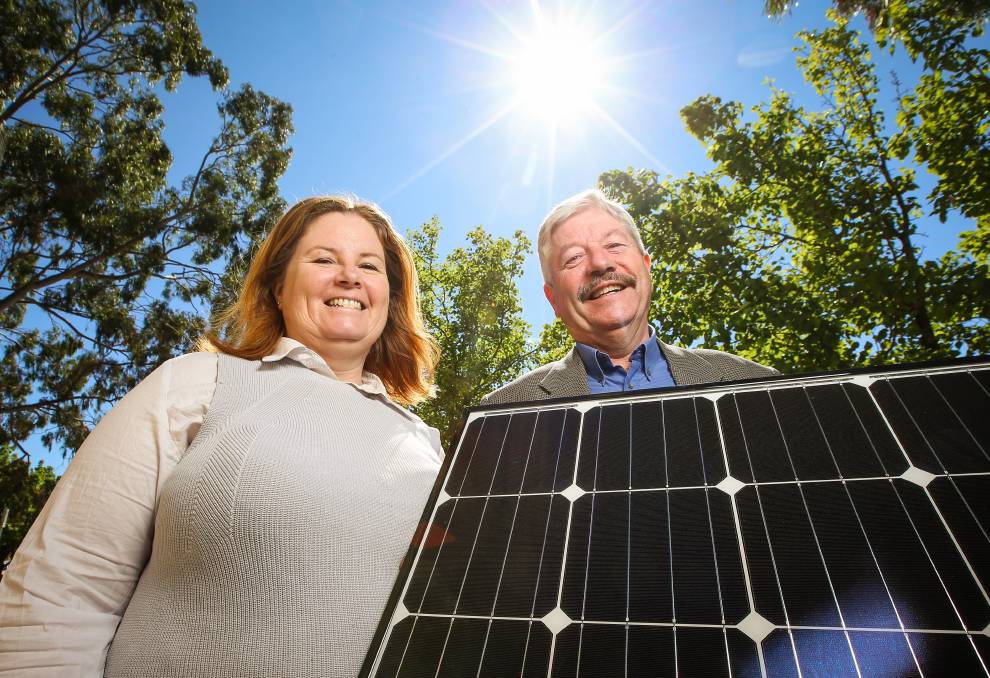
[600, 260]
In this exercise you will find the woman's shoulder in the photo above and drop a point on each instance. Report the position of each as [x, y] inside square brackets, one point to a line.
[199, 367]
[190, 372]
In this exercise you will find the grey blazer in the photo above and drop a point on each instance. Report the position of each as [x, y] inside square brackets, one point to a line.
[566, 378]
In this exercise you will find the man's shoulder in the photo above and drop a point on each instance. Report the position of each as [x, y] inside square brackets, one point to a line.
[710, 365]
[523, 387]
[526, 386]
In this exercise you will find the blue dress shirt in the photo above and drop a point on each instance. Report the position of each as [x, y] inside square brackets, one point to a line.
[647, 368]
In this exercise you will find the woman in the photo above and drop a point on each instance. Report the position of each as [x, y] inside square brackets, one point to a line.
[243, 512]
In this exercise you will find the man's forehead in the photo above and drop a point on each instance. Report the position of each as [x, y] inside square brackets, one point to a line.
[592, 222]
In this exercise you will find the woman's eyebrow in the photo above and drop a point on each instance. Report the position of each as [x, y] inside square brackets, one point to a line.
[333, 250]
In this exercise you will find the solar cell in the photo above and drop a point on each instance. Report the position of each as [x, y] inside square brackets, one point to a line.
[824, 525]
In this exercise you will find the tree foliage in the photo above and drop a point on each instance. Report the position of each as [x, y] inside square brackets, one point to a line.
[802, 248]
[471, 306]
[23, 492]
[103, 260]
[882, 14]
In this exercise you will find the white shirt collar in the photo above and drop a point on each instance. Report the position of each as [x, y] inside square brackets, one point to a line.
[310, 359]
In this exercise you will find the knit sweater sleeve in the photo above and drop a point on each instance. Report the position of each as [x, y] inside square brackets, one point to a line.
[67, 586]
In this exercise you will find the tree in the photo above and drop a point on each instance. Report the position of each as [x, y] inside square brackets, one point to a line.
[23, 492]
[800, 249]
[104, 262]
[882, 14]
[470, 303]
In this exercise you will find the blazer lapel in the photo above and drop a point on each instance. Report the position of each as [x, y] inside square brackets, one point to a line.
[683, 366]
[567, 378]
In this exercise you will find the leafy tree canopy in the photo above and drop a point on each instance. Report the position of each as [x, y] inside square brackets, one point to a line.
[471, 306]
[23, 492]
[102, 260]
[801, 248]
[883, 14]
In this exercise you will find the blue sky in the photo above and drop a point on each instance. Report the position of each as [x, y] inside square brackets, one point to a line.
[409, 104]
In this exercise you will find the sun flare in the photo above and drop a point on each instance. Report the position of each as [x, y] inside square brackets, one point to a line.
[558, 67]
[557, 72]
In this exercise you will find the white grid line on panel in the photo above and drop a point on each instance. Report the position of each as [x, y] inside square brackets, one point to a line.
[628, 530]
[591, 518]
[766, 531]
[508, 542]
[955, 542]
[419, 551]
[862, 426]
[670, 538]
[931, 561]
[938, 512]
[711, 525]
[890, 427]
[972, 642]
[625, 658]
[484, 648]
[859, 520]
[914, 422]
[474, 544]
[443, 652]
[739, 536]
[972, 376]
[814, 531]
[560, 447]
[717, 390]
[567, 535]
[529, 632]
[699, 625]
[481, 521]
[711, 533]
[955, 487]
[543, 546]
[388, 632]
[809, 481]
[591, 530]
[969, 509]
[958, 418]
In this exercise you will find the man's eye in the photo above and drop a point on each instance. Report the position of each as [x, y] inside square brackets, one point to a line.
[616, 245]
[571, 261]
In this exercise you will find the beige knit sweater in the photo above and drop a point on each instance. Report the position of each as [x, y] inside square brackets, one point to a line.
[280, 533]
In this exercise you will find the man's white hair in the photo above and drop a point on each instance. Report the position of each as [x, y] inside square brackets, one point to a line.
[583, 201]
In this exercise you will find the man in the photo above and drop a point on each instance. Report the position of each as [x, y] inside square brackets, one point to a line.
[596, 276]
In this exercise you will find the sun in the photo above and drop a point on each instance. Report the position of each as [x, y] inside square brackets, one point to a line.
[557, 68]
[557, 73]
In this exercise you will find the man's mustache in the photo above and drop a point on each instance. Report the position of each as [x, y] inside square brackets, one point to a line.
[608, 276]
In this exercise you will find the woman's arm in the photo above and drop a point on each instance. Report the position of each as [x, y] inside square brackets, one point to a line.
[67, 587]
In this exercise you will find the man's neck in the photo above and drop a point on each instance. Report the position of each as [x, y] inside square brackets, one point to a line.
[620, 346]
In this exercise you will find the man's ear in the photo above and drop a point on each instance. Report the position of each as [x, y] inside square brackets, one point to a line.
[646, 259]
[548, 292]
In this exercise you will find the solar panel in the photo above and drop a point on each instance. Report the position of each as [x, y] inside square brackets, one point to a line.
[824, 525]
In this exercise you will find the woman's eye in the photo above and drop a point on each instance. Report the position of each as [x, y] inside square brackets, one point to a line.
[323, 260]
[369, 267]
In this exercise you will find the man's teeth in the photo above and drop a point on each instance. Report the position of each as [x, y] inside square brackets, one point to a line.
[606, 290]
[345, 303]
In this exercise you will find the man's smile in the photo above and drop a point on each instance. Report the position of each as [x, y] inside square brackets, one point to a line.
[605, 284]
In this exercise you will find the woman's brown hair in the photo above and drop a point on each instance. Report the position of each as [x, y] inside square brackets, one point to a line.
[404, 355]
